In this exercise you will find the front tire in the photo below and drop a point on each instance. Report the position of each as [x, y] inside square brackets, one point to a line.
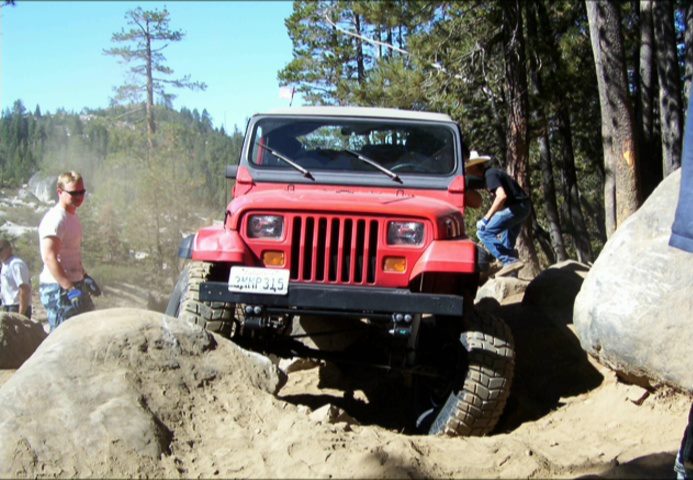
[480, 391]
[185, 303]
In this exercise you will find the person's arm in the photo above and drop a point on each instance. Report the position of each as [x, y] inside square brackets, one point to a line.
[24, 299]
[50, 248]
[498, 203]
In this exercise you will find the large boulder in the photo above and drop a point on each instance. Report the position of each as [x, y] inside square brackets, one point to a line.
[42, 186]
[553, 291]
[500, 288]
[103, 394]
[634, 310]
[19, 338]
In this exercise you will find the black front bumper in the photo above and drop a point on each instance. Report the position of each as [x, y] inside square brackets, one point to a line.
[342, 299]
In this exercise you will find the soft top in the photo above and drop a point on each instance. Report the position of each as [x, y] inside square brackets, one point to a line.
[362, 112]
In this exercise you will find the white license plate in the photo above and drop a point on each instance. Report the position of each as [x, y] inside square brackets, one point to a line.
[259, 280]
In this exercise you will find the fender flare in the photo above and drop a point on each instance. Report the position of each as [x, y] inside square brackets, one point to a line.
[217, 244]
[447, 256]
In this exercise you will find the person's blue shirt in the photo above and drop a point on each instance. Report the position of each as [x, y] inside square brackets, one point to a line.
[682, 229]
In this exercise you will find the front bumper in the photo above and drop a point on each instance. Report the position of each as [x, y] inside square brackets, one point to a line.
[340, 299]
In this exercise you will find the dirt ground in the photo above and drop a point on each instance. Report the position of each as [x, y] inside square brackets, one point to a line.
[567, 417]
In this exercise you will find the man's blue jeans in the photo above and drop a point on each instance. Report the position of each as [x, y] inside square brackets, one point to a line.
[57, 307]
[683, 466]
[501, 231]
[50, 298]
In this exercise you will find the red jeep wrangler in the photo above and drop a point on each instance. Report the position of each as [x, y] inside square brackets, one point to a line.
[346, 226]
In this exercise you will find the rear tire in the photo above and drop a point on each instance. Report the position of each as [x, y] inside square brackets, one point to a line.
[479, 391]
[185, 302]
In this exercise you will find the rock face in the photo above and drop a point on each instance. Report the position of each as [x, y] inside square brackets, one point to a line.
[19, 338]
[105, 391]
[500, 288]
[43, 187]
[553, 291]
[635, 307]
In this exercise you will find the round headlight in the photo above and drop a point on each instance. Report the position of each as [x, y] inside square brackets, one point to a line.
[265, 226]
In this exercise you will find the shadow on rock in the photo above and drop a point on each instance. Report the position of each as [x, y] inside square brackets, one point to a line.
[19, 338]
[368, 396]
[553, 291]
[657, 465]
[550, 362]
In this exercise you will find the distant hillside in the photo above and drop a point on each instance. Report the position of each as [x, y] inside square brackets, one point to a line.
[139, 199]
[86, 141]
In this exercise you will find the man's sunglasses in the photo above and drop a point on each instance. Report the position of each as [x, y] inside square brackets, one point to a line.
[75, 193]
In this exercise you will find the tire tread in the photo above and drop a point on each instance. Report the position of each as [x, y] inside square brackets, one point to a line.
[477, 407]
[215, 317]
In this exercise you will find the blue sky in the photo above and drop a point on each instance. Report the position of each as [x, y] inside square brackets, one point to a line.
[51, 54]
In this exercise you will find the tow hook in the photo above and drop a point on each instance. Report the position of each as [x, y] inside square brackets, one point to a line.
[401, 325]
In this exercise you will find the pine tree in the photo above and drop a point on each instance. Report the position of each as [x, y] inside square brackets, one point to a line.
[150, 74]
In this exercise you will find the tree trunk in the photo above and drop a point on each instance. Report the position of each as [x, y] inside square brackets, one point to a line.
[542, 125]
[576, 220]
[688, 41]
[150, 93]
[555, 231]
[517, 131]
[389, 52]
[543, 239]
[621, 196]
[670, 107]
[360, 69]
[650, 173]
[578, 225]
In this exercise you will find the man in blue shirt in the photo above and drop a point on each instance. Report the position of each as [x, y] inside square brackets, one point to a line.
[682, 238]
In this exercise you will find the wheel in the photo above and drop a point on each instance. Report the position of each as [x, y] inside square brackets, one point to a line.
[472, 400]
[184, 303]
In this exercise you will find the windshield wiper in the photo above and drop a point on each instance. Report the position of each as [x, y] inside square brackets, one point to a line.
[288, 161]
[375, 165]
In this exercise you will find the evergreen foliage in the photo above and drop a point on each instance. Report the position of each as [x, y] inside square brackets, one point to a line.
[142, 48]
[139, 204]
[451, 57]
[139, 46]
[149, 186]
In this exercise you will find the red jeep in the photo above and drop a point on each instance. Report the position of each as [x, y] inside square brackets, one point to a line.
[346, 226]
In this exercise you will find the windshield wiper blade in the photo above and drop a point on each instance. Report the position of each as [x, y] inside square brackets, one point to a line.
[375, 165]
[288, 161]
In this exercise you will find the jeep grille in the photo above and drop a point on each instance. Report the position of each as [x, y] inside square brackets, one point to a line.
[334, 249]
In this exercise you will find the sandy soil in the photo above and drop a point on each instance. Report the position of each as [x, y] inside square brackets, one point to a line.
[566, 417]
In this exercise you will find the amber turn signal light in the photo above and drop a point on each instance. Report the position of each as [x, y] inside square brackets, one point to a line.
[273, 258]
[395, 265]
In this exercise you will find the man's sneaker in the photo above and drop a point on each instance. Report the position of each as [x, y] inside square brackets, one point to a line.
[510, 268]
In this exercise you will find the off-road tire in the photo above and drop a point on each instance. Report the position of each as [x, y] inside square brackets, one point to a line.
[185, 304]
[474, 409]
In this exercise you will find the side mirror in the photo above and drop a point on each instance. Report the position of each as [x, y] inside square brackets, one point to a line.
[231, 171]
[186, 246]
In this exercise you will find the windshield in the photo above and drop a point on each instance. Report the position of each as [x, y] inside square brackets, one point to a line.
[335, 144]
